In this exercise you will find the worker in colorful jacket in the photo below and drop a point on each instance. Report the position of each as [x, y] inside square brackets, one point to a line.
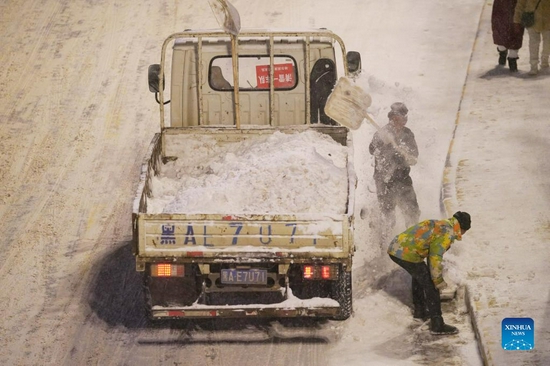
[429, 239]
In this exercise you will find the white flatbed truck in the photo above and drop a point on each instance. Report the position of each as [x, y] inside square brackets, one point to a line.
[245, 264]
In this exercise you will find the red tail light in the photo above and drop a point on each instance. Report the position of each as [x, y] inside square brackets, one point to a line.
[320, 272]
[325, 272]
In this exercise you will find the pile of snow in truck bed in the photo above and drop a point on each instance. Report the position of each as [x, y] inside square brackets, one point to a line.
[302, 172]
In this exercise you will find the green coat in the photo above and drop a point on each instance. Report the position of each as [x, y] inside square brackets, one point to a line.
[427, 239]
[542, 14]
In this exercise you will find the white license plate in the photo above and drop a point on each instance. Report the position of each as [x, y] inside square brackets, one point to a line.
[244, 276]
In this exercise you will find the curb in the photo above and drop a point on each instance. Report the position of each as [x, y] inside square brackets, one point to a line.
[449, 204]
[473, 316]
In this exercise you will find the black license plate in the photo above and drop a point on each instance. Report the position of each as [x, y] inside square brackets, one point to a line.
[244, 276]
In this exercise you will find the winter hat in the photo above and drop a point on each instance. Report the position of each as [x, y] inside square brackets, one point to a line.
[463, 219]
[398, 108]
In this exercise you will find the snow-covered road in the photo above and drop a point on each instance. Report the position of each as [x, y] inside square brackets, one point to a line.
[76, 119]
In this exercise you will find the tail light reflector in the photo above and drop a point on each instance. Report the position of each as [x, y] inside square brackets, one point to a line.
[320, 272]
[325, 272]
[308, 272]
[167, 270]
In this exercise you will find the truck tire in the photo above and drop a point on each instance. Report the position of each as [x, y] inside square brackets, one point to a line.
[341, 292]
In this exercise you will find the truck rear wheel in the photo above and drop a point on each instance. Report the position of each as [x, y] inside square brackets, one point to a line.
[341, 292]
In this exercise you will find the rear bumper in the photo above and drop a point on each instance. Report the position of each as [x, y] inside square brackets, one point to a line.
[288, 308]
[248, 311]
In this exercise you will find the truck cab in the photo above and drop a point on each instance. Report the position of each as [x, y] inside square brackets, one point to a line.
[302, 66]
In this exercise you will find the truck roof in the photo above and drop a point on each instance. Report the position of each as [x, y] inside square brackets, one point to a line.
[317, 35]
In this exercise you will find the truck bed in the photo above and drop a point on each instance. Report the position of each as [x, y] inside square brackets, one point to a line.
[229, 234]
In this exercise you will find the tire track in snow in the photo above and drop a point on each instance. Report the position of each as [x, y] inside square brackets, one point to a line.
[36, 205]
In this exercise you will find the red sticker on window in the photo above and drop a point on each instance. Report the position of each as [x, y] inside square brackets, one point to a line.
[283, 75]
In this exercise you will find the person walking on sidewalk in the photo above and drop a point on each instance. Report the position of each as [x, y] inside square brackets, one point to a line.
[540, 30]
[428, 240]
[506, 35]
[395, 151]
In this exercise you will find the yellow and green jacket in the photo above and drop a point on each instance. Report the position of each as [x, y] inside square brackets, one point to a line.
[427, 239]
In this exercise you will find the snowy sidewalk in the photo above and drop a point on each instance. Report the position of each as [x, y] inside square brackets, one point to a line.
[499, 164]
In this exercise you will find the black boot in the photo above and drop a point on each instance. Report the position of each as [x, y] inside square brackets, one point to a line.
[513, 64]
[502, 57]
[438, 327]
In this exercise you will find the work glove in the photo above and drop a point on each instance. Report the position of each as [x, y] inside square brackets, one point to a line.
[443, 285]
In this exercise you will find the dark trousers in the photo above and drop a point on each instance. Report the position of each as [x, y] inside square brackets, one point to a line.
[397, 192]
[425, 295]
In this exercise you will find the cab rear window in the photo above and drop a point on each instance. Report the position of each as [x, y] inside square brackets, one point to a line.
[253, 73]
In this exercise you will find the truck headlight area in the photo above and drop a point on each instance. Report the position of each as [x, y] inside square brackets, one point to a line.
[320, 272]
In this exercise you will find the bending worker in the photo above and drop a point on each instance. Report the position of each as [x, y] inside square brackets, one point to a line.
[429, 239]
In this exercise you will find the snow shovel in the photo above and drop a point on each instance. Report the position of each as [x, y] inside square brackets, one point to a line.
[226, 15]
[229, 20]
[348, 103]
[448, 293]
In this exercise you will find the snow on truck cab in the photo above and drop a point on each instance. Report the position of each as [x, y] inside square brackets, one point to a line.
[212, 238]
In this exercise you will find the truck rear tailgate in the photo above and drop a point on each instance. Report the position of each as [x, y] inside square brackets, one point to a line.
[218, 236]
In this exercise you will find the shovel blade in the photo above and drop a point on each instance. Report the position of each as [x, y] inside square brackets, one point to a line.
[347, 104]
[226, 15]
[447, 294]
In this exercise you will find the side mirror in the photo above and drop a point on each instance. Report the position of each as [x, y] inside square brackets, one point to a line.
[354, 61]
[154, 78]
